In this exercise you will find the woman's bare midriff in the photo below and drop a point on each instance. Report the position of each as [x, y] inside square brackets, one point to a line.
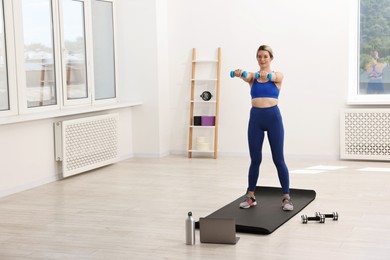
[264, 102]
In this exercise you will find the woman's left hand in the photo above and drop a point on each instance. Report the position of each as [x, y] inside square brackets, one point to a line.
[263, 75]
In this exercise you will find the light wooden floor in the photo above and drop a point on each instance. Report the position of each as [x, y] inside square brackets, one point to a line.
[136, 210]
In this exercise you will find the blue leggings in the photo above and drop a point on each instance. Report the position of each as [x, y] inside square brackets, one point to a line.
[270, 120]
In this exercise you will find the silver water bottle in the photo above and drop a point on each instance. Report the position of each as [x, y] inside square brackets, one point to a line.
[190, 230]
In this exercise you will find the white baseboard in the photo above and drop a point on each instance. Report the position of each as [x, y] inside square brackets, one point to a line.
[27, 186]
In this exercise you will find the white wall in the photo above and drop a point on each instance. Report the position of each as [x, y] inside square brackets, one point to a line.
[154, 43]
[310, 43]
[143, 67]
[27, 151]
[27, 148]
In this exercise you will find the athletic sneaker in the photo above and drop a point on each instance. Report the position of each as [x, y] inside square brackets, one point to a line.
[287, 204]
[249, 202]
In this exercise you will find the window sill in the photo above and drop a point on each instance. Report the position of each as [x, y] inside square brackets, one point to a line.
[66, 112]
[368, 100]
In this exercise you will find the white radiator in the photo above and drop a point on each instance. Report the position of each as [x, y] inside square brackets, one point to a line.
[365, 134]
[86, 143]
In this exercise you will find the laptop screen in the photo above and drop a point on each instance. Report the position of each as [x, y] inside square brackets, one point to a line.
[218, 230]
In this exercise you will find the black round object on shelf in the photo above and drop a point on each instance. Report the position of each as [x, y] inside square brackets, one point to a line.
[206, 95]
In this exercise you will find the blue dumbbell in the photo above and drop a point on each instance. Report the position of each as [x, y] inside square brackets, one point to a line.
[244, 74]
[269, 75]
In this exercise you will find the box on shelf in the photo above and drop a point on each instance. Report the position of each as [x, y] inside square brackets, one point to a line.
[208, 120]
[202, 144]
[197, 120]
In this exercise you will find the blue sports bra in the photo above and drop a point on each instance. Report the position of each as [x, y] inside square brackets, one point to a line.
[374, 74]
[264, 89]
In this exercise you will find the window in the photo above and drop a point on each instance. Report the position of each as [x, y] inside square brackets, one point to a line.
[374, 52]
[47, 56]
[103, 43]
[74, 56]
[4, 93]
[38, 53]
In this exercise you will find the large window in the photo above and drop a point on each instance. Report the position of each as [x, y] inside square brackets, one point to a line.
[55, 54]
[374, 53]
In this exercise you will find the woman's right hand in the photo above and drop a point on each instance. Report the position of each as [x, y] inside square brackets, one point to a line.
[238, 73]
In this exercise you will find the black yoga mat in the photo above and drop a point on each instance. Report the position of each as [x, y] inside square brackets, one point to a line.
[267, 215]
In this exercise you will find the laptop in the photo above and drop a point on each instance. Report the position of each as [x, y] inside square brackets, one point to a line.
[218, 230]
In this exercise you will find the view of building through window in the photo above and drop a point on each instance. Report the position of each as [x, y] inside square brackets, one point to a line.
[74, 44]
[39, 53]
[50, 54]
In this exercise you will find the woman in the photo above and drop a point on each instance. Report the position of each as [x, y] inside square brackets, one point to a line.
[375, 75]
[265, 117]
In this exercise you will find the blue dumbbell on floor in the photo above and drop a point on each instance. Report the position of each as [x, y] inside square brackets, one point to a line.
[244, 74]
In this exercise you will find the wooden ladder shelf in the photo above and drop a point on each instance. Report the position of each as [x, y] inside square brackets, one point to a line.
[204, 121]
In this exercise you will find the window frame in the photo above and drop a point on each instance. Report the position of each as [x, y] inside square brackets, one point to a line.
[354, 98]
[88, 57]
[19, 54]
[17, 91]
[114, 99]
[11, 63]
